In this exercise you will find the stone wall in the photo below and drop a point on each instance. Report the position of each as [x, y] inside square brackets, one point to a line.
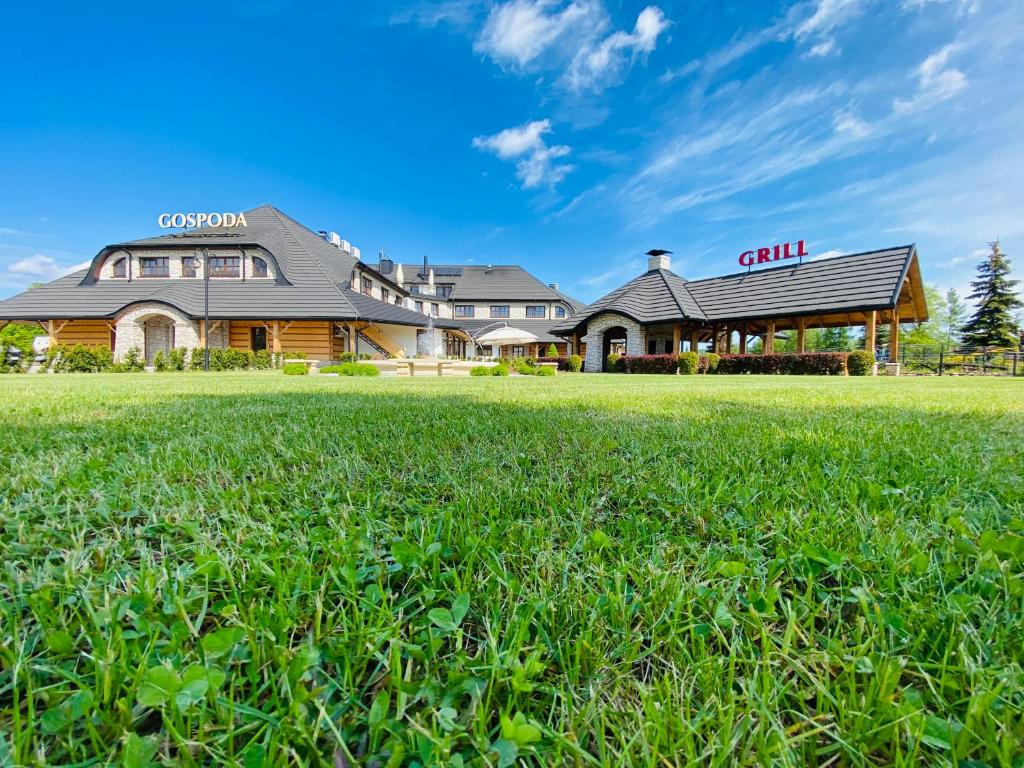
[594, 339]
[130, 330]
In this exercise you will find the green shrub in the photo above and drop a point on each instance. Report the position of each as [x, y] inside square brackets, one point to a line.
[523, 368]
[196, 359]
[262, 360]
[79, 358]
[688, 363]
[20, 336]
[499, 370]
[330, 369]
[860, 362]
[160, 361]
[613, 361]
[134, 360]
[574, 363]
[708, 363]
[347, 357]
[480, 370]
[360, 369]
[294, 369]
[552, 350]
[176, 359]
[544, 370]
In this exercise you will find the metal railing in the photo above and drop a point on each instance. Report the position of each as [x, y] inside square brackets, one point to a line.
[958, 360]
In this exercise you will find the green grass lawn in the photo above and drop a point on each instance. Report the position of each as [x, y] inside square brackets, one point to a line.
[587, 570]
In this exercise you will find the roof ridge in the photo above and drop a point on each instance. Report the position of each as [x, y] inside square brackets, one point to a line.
[675, 297]
[909, 247]
[281, 216]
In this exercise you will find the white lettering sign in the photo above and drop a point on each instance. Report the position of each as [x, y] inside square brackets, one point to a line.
[192, 220]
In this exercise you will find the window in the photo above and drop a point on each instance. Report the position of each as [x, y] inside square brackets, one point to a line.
[464, 310]
[259, 267]
[153, 266]
[398, 300]
[652, 346]
[385, 295]
[500, 310]
[535, 311]
[224, 266]
[518, 351]
[444, 290]
[434, 309]
[559, 311]
[258, 341]
[121, 267]
[419, 307]
[189, 265]
[366, 286]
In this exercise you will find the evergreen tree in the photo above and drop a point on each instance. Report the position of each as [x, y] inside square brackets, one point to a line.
[992, 324]
[953, 315]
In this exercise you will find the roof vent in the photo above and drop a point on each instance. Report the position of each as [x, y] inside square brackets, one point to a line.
[553, 286]
[356, 253]
[384, 264]
[333, 238]
[658, 258]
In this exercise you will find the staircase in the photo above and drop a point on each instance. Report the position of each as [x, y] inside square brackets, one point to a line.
[381, 342]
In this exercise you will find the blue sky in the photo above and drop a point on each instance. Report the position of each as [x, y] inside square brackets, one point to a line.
[565, 137]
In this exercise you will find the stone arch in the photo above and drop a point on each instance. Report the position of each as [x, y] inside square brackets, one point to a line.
[168, 327]
[595, 338]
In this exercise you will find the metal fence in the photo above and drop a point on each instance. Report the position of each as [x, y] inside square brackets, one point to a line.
[940, 360]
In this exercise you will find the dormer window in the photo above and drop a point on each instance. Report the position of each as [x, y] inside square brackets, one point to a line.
[559, 311]
[224, 266]
[120, 268]
[367, 286]
[259, 267]
[189, 266]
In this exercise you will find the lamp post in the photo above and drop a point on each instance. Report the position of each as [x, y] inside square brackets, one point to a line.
[206, 309]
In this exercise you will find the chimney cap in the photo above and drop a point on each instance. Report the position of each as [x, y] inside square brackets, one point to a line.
[658, 258]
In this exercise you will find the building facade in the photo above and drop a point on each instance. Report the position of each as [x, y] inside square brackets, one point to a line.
[276, 285]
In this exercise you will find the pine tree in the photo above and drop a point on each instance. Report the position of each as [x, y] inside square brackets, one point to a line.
[953, 316]
[992, 324]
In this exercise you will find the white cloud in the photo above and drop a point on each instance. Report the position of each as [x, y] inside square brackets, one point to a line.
[827, 16]
[426, 14]
[43, 267]
[535, 160]
[936, 82]
[529, 36]
[847, 121]
[594, 66]
[824, 48]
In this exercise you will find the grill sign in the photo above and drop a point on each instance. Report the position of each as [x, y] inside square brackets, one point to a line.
[775, 253]
[190, 220]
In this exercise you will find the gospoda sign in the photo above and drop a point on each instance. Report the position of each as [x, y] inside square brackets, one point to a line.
[191, 220]
[779, 252]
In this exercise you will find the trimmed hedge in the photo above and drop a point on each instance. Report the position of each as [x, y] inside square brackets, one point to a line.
[613, 363]
[291, 369]
[808, 364]
[688, 363]
[480, 370]
[544, 370]
[351, 369]
[574, 363]
[562, 360]
[860, 363]
[708, 363]
[648, 363]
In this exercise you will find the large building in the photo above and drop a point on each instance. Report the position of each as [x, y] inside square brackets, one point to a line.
[660, 312]
[277, 285]
[269, 283]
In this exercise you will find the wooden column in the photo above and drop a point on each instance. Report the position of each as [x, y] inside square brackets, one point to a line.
[801, 335]
[894, 336]
[677, 338]
[351, 337]
[743, 339]
[575, 344]
[51, 331]
[202, 334]
[871, 318]
[769, 338]
[694, 340]
[275, 331]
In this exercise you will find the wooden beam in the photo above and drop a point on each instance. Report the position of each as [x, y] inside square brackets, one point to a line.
[894, 336]
[871, 319]
[801, 334]
[769, 338]
[202, 334]
[743, 338]
[275, 333]
[352, 337]
[694, 340]
[677, 338]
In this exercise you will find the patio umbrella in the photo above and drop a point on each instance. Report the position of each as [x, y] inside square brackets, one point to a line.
[506, 335]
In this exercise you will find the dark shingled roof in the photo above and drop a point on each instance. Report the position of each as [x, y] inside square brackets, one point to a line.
[855, 282]
[489, 283]
[313, 284]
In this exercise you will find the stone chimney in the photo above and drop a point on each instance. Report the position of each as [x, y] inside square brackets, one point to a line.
[658, 259]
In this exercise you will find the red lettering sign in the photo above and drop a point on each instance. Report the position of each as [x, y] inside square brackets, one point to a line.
[776, 253]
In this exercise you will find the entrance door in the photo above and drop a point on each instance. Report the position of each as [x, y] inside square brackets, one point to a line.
[258, 342]
[159, 335]
[613, 341]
